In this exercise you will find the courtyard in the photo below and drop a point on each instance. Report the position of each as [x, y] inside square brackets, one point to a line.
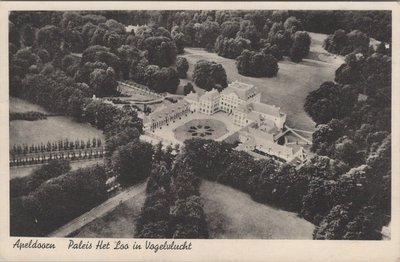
[201, 128]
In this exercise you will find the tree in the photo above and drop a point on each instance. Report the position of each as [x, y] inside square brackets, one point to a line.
[381, 48]
[358, 41]
[113, 40]
[208, 75]
[121, 138]
[101, 54]
[343, 44]
[137, 70]
[21, 186]
[292, 24]
[333, 226]
[249, 31]
[29, 35]
[231, 48]
[346, 150]
[161, 80]
[272, 50]
[367, 225]
[50, 38]
[330, 101]
[179, 39]
[229, 29]
[188, 88]
[182, 67]
[103, 82]
[325, 135]
[280, 37]
[159, 179]
[317, 203]
[166, 80]
[127, 54]
[132, 162]
[161, 50]
[14, 35]
[206, 34]
[257, 64]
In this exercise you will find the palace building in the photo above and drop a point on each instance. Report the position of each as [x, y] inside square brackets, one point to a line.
[238, 93]
[240, 100]
[260, 143]
[259, 113]
[166, 115]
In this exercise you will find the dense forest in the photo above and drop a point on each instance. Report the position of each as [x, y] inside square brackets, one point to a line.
[45, 42]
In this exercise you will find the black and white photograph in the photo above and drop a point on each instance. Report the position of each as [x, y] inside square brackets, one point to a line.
[261, 124]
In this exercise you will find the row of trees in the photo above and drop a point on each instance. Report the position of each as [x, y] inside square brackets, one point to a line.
[42, 158]
[37, 208]
[60, 145]
[27, 116]
[173, 207]
[376, 23]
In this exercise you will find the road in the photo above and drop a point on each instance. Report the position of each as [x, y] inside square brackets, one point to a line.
[98, 211]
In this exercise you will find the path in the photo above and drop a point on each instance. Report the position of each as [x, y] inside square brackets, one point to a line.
[98, 211]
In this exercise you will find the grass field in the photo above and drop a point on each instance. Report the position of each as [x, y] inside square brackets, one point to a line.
[118, 223]
[294, 81]
[233, 214]
[50, 129]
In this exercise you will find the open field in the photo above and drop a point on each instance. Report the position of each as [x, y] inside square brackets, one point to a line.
[294, 81]
[18, 105]
[117, 223]
[22, 171]
[50, 129]
[233, 214]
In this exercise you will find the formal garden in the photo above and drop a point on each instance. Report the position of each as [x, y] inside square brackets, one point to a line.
[200, 128]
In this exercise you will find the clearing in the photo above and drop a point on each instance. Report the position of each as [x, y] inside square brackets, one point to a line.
[232, 214]
[291, 86]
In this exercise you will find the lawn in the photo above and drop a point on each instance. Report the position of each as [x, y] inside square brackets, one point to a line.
[50, 129]
[232, 214]
[200, 128]
[118, 223]
[294, 80]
